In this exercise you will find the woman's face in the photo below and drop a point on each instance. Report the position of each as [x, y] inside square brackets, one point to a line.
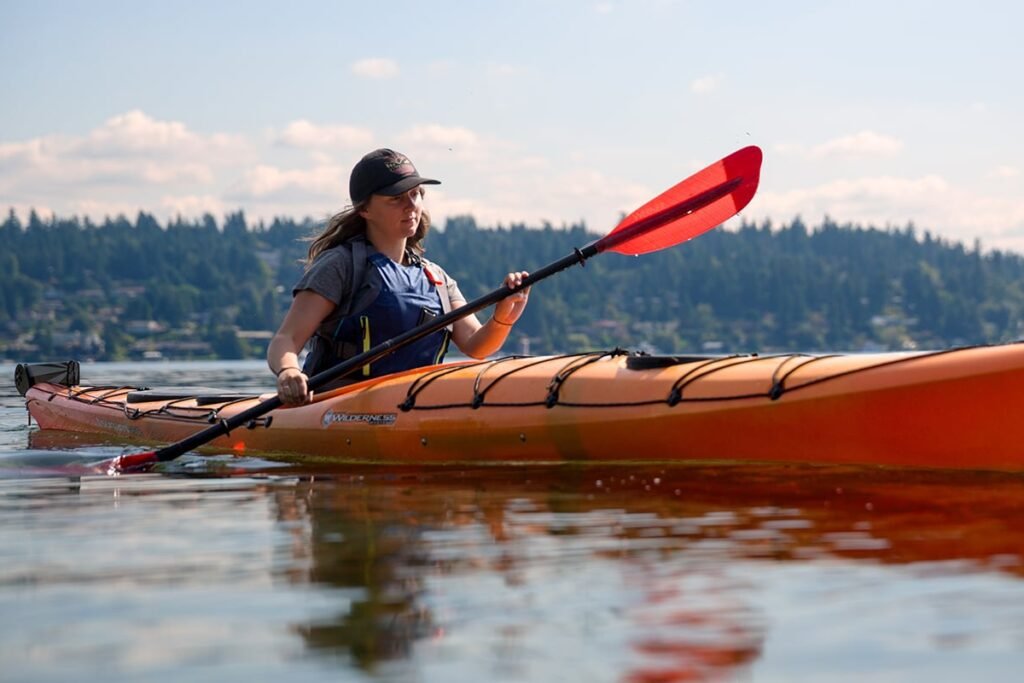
[395, 217]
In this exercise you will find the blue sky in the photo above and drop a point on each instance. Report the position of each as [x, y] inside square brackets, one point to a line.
[869, 112]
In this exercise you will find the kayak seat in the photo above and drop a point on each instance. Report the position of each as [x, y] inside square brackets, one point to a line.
[202, 395]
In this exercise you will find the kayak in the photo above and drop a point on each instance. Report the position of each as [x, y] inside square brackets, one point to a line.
[953, 408]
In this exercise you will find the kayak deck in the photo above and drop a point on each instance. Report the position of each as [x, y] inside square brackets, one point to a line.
[949, 408]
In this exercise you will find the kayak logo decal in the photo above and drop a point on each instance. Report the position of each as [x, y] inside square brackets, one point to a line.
[333, 418]
[114, 427]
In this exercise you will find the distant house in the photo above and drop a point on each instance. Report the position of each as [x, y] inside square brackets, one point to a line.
[141, 328]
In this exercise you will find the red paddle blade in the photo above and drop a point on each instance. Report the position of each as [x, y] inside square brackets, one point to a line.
[130, 462]
[701, 202]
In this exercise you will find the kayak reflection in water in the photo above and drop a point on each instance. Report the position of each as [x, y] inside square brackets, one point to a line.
[488, 560]
[366, 281]
[649, 573]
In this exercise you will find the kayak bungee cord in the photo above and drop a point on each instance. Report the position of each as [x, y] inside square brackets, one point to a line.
[786, 365]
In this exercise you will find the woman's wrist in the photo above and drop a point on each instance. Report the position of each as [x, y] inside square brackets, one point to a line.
[494, 319]
[287, 367]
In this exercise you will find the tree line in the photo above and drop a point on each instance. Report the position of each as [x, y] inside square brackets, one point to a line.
[758, 288]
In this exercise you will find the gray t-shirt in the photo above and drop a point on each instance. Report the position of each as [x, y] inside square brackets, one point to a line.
[330, 276]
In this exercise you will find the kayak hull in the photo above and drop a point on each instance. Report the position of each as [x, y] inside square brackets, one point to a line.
[956, 408]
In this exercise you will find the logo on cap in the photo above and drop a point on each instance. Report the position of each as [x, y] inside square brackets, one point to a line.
[400, 165]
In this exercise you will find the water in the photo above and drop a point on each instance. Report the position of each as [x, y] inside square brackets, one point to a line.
[220, 569]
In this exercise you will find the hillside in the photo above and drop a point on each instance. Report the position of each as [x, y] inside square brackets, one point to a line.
[132, 289]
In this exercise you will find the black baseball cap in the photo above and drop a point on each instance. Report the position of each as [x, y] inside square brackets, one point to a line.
[386, 172]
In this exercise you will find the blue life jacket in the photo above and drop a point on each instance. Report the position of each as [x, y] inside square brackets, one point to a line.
[408, 296]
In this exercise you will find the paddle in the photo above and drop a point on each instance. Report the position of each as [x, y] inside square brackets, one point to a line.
[686, 210]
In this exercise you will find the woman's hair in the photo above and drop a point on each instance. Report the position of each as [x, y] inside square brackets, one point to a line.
[348, 223]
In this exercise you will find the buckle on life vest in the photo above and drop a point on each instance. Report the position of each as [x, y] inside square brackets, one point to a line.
[437, 282]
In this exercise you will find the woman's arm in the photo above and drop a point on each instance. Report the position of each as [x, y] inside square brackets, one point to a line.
[307, 311]
[479, 341]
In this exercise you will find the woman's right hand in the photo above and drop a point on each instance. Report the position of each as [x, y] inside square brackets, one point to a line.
[308, 310]
[292, 387]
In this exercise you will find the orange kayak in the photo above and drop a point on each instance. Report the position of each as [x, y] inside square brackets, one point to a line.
[956, 408]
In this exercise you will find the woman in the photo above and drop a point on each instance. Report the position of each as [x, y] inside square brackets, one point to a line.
[366, 282]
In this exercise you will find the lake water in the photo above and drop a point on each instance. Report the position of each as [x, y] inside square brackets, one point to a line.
[222, 569]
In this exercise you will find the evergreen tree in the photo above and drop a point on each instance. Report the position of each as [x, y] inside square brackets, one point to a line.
[759, 288]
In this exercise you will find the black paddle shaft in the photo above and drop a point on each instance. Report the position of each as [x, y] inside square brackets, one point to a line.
[225, 426]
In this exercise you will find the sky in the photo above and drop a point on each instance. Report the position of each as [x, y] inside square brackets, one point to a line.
[872, 113]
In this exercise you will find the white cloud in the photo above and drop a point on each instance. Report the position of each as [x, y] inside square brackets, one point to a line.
[27, 153]
[193, 205]
[996, 216]
[136, 134]
[1006, 171]
[435, 143]
[128, 150]
[603, 7]
[98, 209]
[527, 191]
[704, 84]
[307, 135]
[163, 174]
[18, 160]
[958, 214]
[375, 68]
[270, 182]
[864, 143]
[879, 200]
[135, 161]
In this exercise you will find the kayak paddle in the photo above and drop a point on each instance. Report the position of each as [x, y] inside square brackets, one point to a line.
[692, 207]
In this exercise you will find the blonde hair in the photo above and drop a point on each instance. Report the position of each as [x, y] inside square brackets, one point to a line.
[350, 223]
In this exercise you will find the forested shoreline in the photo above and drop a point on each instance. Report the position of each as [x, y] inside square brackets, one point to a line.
[127, 289]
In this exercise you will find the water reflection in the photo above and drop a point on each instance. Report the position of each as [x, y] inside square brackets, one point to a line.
[347, 544]
[660, 564]
[608, 573]
[578, 573]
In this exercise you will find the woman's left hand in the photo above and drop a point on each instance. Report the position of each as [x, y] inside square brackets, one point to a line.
[508, 310]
